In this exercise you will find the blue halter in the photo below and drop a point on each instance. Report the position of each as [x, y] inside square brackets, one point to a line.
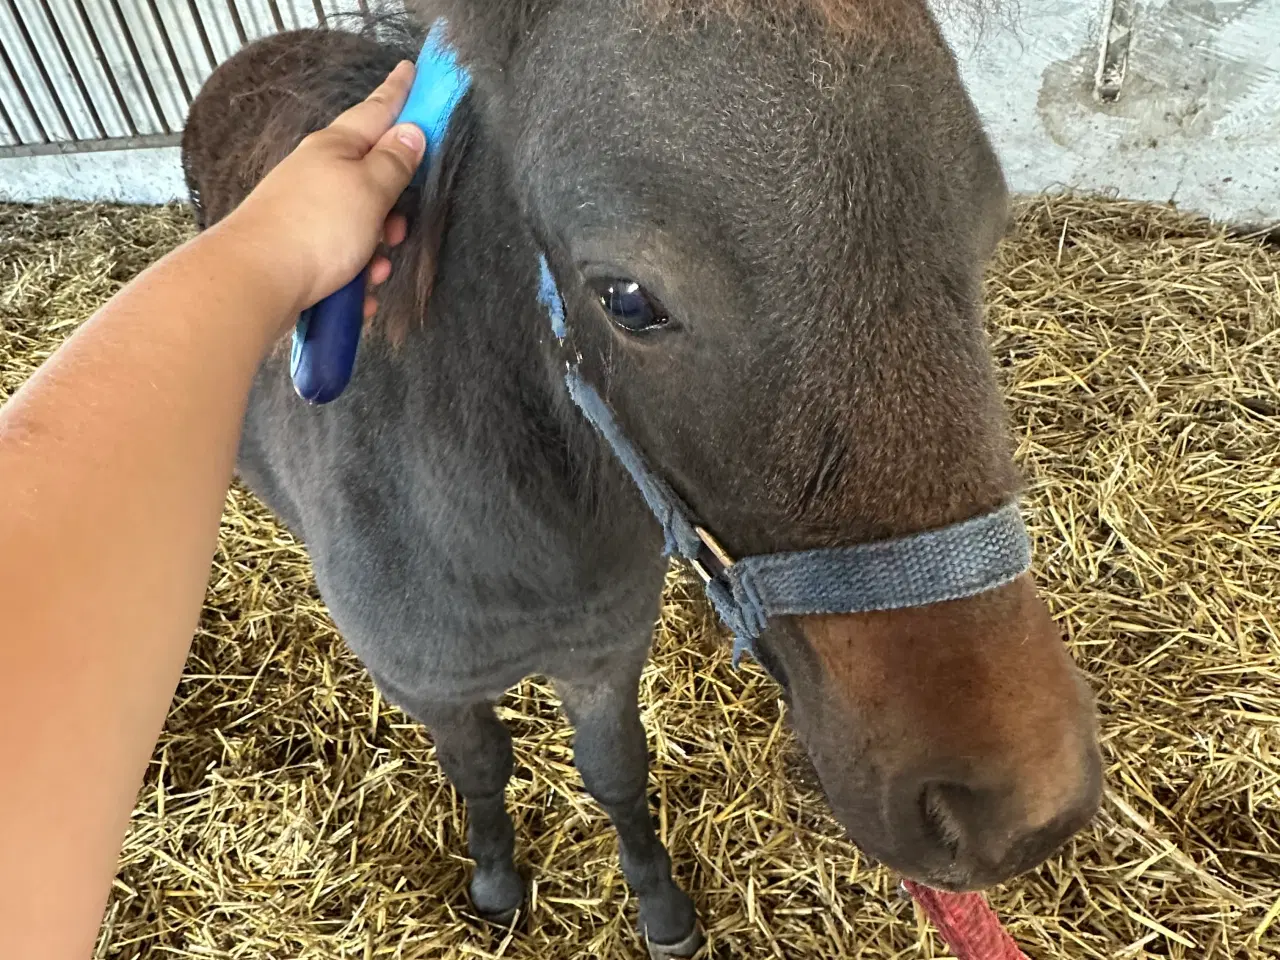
[950, 563]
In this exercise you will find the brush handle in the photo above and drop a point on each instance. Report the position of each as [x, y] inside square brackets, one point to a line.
[325, 341]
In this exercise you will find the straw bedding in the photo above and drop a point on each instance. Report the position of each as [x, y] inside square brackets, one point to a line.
[289, 812]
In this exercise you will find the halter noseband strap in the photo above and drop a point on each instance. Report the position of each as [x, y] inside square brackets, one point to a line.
[950, 563]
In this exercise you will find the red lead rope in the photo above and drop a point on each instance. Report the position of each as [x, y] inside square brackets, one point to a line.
[967, 923]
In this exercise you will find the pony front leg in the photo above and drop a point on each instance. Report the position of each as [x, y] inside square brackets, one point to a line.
[474, 748]
[611, 754]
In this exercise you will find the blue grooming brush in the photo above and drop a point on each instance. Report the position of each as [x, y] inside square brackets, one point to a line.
[327, 334]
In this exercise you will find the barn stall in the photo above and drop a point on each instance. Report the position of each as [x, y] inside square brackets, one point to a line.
[288, 812]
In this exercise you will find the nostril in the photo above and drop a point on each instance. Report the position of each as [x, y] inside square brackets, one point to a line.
[937, 813]
[967, 828]
[968, 823]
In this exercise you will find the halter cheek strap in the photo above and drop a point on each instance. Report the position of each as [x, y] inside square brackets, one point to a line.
[949, 563]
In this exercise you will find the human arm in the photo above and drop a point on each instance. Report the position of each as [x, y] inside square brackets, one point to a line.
[115, 458]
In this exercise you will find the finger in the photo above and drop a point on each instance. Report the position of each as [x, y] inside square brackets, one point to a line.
[379, 271]
[394, 160]
[370, 119]
[395, 230]
[370, 307]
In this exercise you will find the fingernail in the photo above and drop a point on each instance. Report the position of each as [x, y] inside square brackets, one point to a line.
[411, 137]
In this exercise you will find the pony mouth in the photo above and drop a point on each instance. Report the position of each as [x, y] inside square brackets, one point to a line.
[950, 883]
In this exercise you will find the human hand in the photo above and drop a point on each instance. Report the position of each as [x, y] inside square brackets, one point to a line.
[318, 217]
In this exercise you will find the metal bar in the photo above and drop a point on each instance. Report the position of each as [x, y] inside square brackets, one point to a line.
[320, 14]
[22, 92]
[1113, 52]
[275, 14]
[75, 69]
[198, 19]
[174, 62]
[44, 71]
[237, 22]
[8, 123]
[101, 54]
[142, 70]
[144, 142]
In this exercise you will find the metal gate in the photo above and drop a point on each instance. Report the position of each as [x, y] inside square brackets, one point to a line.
[91, 75]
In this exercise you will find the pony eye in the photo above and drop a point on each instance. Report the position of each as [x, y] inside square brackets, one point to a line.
[628, 304]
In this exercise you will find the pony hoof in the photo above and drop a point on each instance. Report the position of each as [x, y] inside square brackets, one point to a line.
[685, 948]
[497, 896]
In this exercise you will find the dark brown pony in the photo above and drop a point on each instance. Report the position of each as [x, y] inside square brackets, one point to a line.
[799, 198]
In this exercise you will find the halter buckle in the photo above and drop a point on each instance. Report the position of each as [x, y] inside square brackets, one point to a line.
[712, 560]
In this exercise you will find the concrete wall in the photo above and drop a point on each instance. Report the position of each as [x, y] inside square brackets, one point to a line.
[1148, 99]
[128, 176]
